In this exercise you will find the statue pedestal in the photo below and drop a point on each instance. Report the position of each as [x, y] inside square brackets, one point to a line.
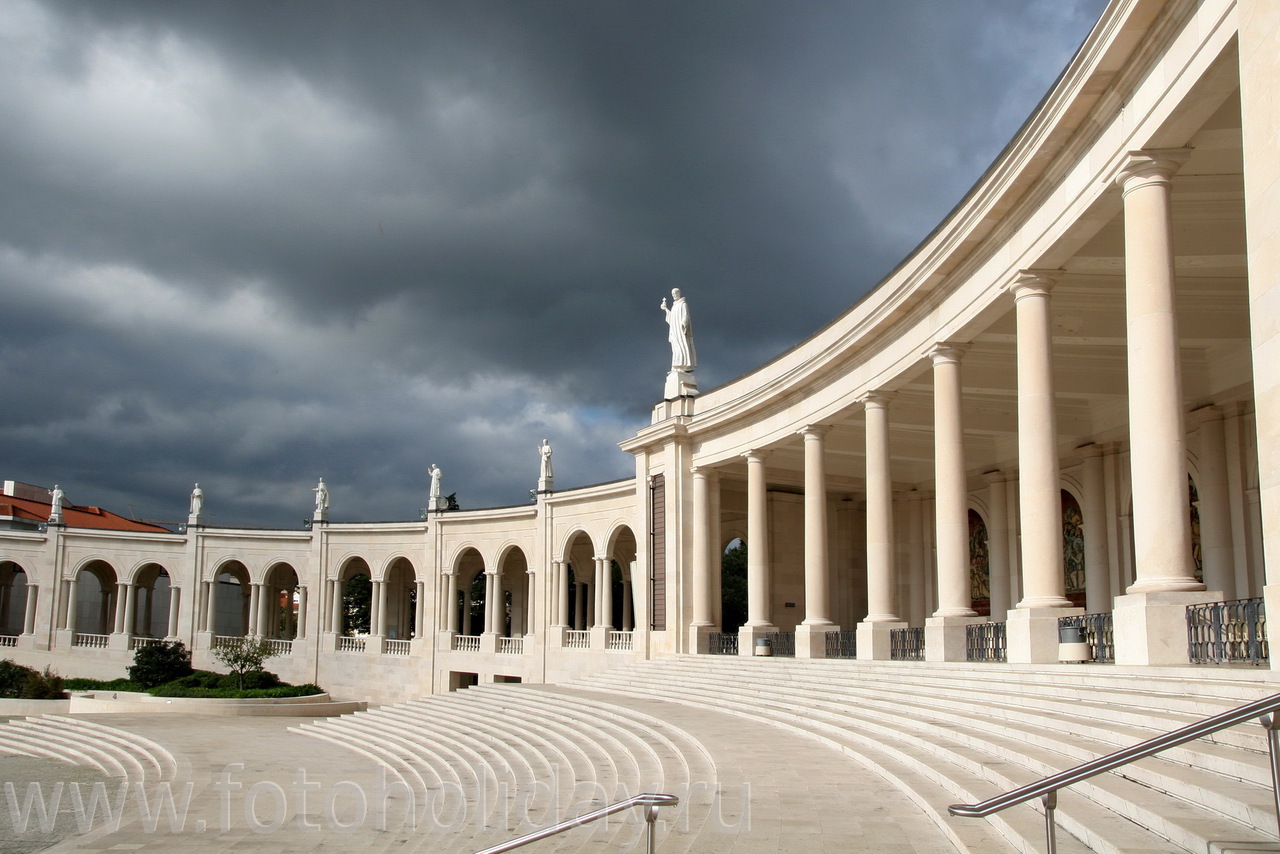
[680, 384]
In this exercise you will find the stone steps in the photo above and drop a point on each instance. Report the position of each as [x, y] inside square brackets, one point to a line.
[977, 737]
[114, 752]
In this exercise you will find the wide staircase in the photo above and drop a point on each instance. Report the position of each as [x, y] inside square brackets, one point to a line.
[946, 734]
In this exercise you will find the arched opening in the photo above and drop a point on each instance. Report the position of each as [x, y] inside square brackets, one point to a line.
[979, 565]
[733, 586]
[95, 599]
[580, 558]
[1073, 568]
[471, 592]
[622, 565]
[152, 596]
[513, 576]
[401, 597]
[280, 603]
[231, 600]
[355, 581]
[13, 598]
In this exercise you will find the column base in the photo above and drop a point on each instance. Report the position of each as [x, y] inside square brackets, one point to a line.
[1151, 628]
[811, 641]
[679, 384]
[873, 642]
[944, 637]
[1032, 634]
[747, 638]
[700, 639]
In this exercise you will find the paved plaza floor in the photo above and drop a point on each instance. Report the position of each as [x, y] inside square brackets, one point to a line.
[251, 784]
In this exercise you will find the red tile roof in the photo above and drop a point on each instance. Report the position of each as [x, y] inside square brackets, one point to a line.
[73, 516]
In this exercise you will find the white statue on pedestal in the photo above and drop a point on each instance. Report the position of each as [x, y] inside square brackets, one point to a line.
[55, 505]
[434, 500]
[322, 502]
[680, 380]
[545, 478]
[197, 505]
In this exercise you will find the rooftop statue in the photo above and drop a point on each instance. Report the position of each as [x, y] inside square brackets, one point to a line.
[680, 334]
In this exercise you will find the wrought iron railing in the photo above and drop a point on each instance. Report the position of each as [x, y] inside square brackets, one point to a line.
[511, 646]
[784, 643]
[1099, 633]
[1047, 789]
[842, 644]
[395, 646]
[986, 642]
[1228, 632]
[650, 802]
[619, 641]
[723, 643]
[466, 643]
[577, 639]
[91, 641]
[906, 644]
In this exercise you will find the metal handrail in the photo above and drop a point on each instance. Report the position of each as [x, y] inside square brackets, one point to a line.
[651, 803]
[1047, 789]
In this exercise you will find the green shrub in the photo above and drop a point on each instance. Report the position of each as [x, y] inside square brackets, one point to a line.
[43, 686]
[197, 679]
[244, 655]
[13, 677]
[254, 680]
[81, 684]
[173, 690]
[158, 663]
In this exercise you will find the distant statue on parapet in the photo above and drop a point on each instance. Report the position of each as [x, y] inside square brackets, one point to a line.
[680, 333]
[434, 501]
[544, 451]
[322, 500]
[55, 505]
[197, 501]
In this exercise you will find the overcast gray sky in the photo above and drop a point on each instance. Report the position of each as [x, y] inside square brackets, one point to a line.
[251, 244]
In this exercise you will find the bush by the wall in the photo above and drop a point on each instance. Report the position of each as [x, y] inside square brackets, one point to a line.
[158, 663]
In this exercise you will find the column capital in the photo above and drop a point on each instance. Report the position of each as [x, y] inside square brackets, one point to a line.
[813, 431]
[945, 352]
[1148, 167]
[876, 399]
[1033, 283]
[755, 456]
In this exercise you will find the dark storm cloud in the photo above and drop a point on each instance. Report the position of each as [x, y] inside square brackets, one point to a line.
[251, 244]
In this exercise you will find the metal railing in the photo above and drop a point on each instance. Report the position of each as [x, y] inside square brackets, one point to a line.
[511, 646]
[986, 642]
[1047, 789]
[842, 644]
[1099, 633]
[650, 802]
[906, 644]
[1228, 632]
[577, 639]
[619, 641]
[722, 643]
[784, 644]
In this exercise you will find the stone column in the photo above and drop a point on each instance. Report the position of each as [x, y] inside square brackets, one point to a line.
[812, 632]
[122, 604]
[335, 610]
[300, 631]
[944, 631]
[704, 541]
[382, 607]
[29, 616]
[759, 604]
[882, 613]
[1217, 550]
[1033, 626]
[579, 604]
[1150, 625]
[71, 607]
[1097, 569]
[604, 578]
[175, 602]
[130, 609]
[492, 602]
[559, 595]
[211, 608]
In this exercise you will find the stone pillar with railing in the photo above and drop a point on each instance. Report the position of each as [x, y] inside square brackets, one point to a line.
[873, 633]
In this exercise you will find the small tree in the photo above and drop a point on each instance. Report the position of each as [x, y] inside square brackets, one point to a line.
[244, 655]
[158, 663]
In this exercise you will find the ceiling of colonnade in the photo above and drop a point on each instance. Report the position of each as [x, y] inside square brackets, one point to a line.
[1089, 333]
